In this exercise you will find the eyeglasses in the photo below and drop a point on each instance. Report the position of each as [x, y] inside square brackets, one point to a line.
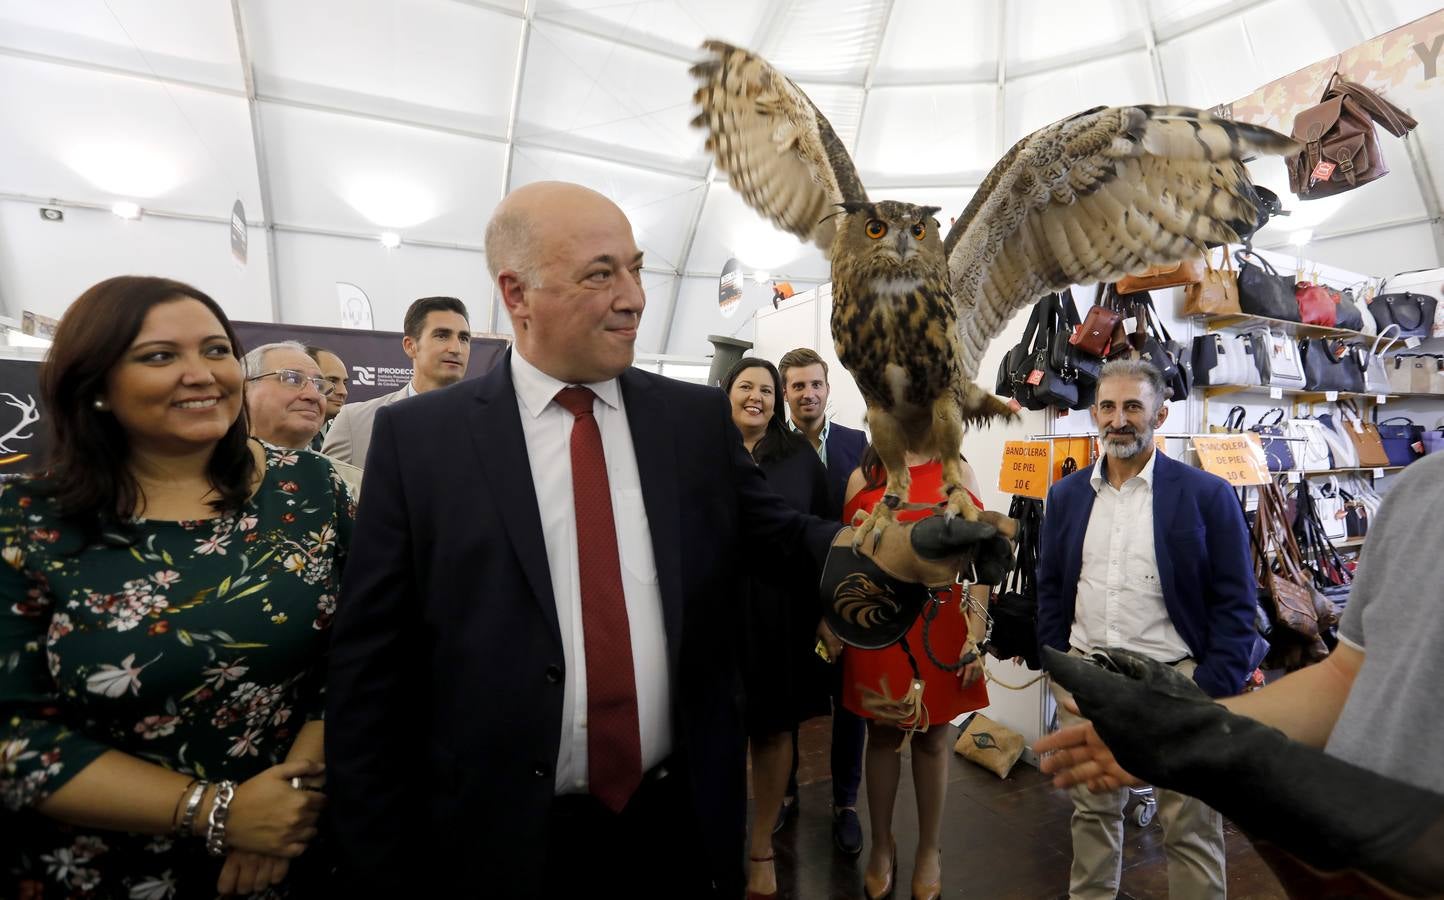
[298, 380]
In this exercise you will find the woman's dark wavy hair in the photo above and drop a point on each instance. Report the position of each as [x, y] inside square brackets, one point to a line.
[89, 475]
[779, 441]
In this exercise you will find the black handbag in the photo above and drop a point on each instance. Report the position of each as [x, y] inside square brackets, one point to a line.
[1329, 366]
[1158, 347]
[1346, 312]
[1262, 291]
[1280, 455]
[1413, 313]
[1067, 357]
[1014, 605]
[1402, 443]
[1035, 382]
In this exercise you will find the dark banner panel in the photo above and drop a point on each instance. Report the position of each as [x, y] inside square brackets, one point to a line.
[24, 433]
[375, 360]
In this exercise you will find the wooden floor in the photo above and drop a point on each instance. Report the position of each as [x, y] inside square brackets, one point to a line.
[1002, 839]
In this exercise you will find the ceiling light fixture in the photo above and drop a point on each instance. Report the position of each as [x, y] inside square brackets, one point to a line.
[1301, 237]
[761, 277]
[390, 240]
[126, 210]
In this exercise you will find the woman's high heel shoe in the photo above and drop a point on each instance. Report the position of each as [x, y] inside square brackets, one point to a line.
[932, 891]
[758, 895]
[873, 890]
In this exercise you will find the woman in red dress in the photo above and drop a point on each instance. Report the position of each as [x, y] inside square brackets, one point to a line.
[874, 679]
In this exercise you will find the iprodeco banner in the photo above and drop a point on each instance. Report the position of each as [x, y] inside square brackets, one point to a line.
[374, 359]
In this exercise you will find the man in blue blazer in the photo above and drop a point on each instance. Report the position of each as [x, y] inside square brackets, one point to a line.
[1149, 554]
[805, 386]
[531, 686]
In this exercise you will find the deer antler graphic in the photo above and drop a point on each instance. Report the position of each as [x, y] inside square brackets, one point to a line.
[29, 415]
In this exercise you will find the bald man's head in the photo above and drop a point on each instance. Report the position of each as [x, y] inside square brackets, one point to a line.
[569, 271]
[524, 217]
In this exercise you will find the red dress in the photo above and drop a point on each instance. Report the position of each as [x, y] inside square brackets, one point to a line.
[943, 694]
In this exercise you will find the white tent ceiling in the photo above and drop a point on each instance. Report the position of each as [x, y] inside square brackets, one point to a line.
[336, 120]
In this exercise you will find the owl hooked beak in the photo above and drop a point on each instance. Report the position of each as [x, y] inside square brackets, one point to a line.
[904, 243]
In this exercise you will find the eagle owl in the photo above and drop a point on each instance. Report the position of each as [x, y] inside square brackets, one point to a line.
[1101, 194]
[890, 298]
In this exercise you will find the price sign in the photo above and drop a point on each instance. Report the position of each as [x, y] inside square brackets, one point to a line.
[1276, 393]
[1236, 458]
[1331, 396]
[1025, 469]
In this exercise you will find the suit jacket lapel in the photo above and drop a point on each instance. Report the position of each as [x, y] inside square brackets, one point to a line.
[1165, 507]
[656, 452]
[502, 461]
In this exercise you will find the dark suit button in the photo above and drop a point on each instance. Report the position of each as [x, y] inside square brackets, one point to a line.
[554, 674]
[542, 770]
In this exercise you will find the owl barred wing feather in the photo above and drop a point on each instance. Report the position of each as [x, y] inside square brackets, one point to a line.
[777, 149]
[1093, 197]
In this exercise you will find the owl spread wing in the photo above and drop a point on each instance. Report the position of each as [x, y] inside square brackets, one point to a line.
[1101, 194]
[778, 150]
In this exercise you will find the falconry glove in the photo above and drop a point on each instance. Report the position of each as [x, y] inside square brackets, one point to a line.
[1329, 813]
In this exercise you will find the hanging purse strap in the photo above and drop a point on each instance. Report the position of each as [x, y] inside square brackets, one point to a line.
[1374, 350]
[1392, 118]
[1234, 422]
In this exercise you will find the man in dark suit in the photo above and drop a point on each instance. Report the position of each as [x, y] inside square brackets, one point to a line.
[1151, 555]
[532, 688]
[806, 388]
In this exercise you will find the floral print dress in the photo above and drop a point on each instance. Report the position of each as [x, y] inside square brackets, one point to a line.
[198, 647]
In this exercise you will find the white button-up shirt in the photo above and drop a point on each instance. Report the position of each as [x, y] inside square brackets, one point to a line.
[548, 430]
[1120, 598]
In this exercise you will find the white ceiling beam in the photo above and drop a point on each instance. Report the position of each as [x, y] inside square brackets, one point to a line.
[63, 203]
[1000, 82]
[493, 7]
[867, 74]
[1166, 33]
[647, 43]
[263, 172]
[354, 113]
[607, 153]
[1150, 40]
[88, 66]
[518, 77]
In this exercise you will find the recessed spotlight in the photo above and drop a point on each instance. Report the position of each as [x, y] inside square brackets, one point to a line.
[1301, 237]
[761, 277]
[126, 210]
[51, 214]
[390, 240]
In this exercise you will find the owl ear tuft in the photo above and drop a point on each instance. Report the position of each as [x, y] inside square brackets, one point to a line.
[853, 206]
[928, 212]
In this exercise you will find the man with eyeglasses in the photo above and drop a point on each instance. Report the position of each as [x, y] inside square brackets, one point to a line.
[286, 399]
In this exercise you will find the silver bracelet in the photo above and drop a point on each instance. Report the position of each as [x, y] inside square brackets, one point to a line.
[193, 805]
[216, 821]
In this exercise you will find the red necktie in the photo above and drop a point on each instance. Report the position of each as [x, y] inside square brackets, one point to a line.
[614, 743]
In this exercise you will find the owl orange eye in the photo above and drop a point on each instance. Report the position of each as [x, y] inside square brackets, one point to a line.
[876, 229]
[920, 230]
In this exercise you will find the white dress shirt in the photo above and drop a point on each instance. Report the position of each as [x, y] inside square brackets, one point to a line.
[548, 431]
[1120, 598]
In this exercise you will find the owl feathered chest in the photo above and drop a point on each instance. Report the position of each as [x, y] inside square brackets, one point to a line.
[896, 334]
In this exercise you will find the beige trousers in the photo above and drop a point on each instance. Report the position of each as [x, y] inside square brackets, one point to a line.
[1192, 836]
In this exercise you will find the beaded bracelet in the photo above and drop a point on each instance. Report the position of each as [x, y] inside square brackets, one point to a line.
[216, 821]
[197, 789]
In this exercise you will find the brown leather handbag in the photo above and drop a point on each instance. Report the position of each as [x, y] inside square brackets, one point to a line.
[1279, 568]
[1183, 272]
[1341, 150]
[1216, 293]
[1364, 436]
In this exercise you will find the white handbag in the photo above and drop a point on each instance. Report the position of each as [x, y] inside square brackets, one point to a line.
[1345, 455]
[1311, 451]
[1331, 508]
[1243, 354]
[1376, 374]
[1286, 367]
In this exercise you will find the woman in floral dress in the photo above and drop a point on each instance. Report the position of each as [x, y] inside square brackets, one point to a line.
[164, 609]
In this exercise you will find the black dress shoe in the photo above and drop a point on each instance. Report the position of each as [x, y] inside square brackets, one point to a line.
[846, 831]
[786, 814]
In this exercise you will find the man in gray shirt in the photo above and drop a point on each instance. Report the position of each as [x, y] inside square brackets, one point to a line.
[1373, 709]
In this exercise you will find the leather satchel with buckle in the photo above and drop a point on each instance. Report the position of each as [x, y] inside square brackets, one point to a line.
[1341, 150]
